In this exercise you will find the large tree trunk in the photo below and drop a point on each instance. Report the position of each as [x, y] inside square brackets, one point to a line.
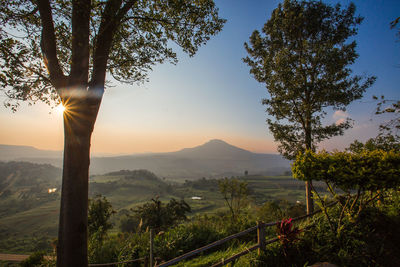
[72, 234]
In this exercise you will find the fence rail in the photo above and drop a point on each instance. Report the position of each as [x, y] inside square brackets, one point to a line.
[116, 263]
[261, 244]
[209, 246]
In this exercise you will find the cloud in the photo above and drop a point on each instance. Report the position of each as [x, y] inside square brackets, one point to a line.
[340, 121]
[340, 116]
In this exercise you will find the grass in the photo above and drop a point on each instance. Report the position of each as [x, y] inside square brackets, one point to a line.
[40, 217]
[217, 256]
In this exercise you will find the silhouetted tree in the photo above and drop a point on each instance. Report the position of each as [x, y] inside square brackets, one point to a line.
[159, 216]
[235, 194]
[100, 211]
[303, 59]
[62, 50]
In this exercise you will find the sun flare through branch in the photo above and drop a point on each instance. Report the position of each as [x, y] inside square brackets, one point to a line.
[60, 108]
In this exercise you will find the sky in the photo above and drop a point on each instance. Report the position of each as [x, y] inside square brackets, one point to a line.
[213, 96]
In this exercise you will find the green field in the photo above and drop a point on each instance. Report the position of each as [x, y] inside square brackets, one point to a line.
[29, 213]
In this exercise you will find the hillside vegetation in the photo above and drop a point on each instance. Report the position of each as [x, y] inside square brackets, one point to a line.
[30, 213]
[215, 158]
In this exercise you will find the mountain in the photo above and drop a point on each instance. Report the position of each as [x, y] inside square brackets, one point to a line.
[10, 152]
[214, 149]
[215, 158]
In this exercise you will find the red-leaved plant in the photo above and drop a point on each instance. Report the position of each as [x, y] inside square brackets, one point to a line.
[287, 233]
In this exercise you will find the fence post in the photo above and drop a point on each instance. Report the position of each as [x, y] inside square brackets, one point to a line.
[151, 247]
[260, 236]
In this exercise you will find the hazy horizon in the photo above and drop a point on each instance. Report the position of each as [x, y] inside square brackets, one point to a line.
[139, 153]
[213, 96]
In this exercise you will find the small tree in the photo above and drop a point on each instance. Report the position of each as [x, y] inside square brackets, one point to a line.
[303, 59]
[99, 214]
[159, 216]
[235, 194]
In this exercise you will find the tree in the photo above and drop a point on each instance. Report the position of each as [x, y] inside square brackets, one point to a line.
[303, 59]
[99, 214]
[158, 216]
[392, 107]
[62, 50]
[386, 142]
[234, 193]
[100, 211]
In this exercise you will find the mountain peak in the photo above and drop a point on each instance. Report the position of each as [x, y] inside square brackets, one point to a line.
[215, 148]
[216, 141]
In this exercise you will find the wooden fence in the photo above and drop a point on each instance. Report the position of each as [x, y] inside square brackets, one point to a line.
[261, 245]
[261, 242]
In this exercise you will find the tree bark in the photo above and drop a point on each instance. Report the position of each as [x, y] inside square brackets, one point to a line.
[72, 234]
[309, 199]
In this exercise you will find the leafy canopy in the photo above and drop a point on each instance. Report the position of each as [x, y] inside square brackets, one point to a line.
[159, 216]
[303, 57]
[389, 107]
[145, 32]
[99, 214]
[366, 170]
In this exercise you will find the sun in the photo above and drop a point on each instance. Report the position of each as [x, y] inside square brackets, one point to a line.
[60, 108]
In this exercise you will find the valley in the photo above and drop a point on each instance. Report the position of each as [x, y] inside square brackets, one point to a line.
[29, 210]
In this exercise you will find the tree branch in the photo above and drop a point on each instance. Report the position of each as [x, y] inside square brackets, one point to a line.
[110, 20]
[20, 63]
[48, 46]
[80, 42]
[158, 20]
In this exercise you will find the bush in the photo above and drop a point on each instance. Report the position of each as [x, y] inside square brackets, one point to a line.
[36, 259]
[184, 238]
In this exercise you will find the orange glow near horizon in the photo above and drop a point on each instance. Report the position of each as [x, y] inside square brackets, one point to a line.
[112, 137]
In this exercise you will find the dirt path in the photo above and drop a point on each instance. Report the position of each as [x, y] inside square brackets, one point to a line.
[12, 257]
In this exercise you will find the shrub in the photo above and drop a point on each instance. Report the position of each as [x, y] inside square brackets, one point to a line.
[36, 259]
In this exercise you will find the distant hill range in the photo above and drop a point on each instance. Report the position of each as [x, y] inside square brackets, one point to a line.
[9, 152]
[215, 158]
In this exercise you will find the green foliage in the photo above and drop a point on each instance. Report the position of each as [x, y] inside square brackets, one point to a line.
[384, 142]
[100, 249]
[270, 212]
[368, 174]
[129, 224]
[22, 219]
[389, 107]
[184, 238]
[303, 59]
[99, 214]
[235, 194]
[36, 259]
[371, 239]
[142, 32]
[158, 216]
[368, 170]
[121, 247]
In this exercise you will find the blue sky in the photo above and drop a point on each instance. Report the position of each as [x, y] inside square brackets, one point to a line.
[212, 94]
